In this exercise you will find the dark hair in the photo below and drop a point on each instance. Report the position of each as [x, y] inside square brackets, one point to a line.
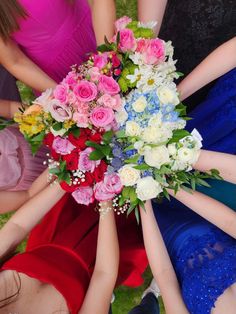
[10, 13]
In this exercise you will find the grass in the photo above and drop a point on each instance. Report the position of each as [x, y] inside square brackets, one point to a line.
[126, 298]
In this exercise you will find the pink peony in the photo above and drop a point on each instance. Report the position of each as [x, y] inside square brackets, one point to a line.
[81, 119]
[100, 60]
[154, 52]
[94, 74]
[60, 112]
[60, 92]
[101, 193]
[122, 23]
[127, 40]
[113, 102]
[108, 85]
[85, 91]
[85, 164]
[113, 183]
[62, 146]
[84, 195]
[102, 117]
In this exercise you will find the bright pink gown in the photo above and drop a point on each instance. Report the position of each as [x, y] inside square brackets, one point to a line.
[56, 34]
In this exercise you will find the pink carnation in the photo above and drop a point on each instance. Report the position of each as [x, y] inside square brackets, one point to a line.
[71, 79]
[154, 51]
[113, 183]
[84, 195]
[85, 91]
[122, 23]
[113, 102]
[81, 119]
[62, 146]
[60, 112]
[94, 74]
[141, 45]
[102, 117]
[85, 164]
[127, 40]
[101, 193]
[108, 85]
[100, 60]
[60, 92]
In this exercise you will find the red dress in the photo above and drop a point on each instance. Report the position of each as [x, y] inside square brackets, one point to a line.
[61, 251]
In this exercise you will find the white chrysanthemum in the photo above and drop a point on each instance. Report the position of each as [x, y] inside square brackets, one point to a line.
[157, 156]
[134, 77]
[128, 175]
[148, 188]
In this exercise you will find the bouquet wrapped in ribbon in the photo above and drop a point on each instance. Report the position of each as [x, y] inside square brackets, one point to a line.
[115, 125]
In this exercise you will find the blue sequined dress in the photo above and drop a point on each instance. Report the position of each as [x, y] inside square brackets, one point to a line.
[203, 256]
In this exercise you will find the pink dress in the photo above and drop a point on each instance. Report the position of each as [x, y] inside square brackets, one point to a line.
[56, 34]
[18, 167]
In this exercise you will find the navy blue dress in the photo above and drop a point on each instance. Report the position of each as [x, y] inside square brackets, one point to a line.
[203, 256]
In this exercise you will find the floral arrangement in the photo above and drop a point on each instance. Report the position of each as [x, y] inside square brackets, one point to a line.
[115, 125]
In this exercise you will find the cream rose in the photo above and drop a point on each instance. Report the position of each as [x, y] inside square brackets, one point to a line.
[128, 175]
[132, 129]
[187, 155]
[121, 116]
[167, 95]
[155, 135]
[140, 104]
[148, 188]
[157, 156]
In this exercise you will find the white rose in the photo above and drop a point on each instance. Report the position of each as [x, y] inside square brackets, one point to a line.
[187, 155]
[44, 98]
[157, 156]
[148, 188]
[132, 129]
[155, 135]
[140, 104]
[121, 116]
[138, 145]
[167, 95]
[128, 175]
[172, 149]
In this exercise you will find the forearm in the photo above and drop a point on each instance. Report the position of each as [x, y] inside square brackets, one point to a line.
[160, 262]
[217, 213]
[152, 10]
[8, 108]
[219, 62]
[104, 16]
[224, 163]
[26, 218]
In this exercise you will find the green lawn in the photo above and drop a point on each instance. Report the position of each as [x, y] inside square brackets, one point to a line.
[126, 298]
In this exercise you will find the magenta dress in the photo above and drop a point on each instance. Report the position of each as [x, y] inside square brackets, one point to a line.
[56, 34]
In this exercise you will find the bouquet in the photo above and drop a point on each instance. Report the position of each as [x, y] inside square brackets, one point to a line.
[115, 126]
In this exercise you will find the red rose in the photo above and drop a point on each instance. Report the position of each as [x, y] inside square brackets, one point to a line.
[48, 140]
[79, 142]
[97, 137]
[100, 171]
[89, 180]
[69, 188]
[72, 160]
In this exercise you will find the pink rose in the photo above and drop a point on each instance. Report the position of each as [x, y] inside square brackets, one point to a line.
[127, 40]
[154, 52]
[94, 74]
[62, 146]
[60, 112]
[71, 79]
[141, 45]
[122, 23]
[108, 85]
[85, 91]
[101, 193]
[113, 102]
[84, 195]
[100, 60]
[85, 164]
[60, 92]
[113, 183]
[101, 117]
[81, 119]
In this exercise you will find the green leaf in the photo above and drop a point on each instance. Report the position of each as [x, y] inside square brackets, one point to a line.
[54, 171]
[131, 208]
[142, 167]
[126, 192]
[132, 160]
[62, 166]
[136, 211]
[121, 134]
[166, 194]
[57, 126]
[185, 188]
[39, 137]
[108, 136]
[203, 182]
[193, 184]
[75, 132]
[133, 196]
[106, 150]
[178, 135]
[96, 155]
[93, 144]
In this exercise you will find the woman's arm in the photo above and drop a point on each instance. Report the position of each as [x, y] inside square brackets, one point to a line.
[20, 66]
[104, 16]
[98, 297]
[219, 62]
[26, 218]
[8, 108]
[160, 263]
[12, 200]
[152, 10]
